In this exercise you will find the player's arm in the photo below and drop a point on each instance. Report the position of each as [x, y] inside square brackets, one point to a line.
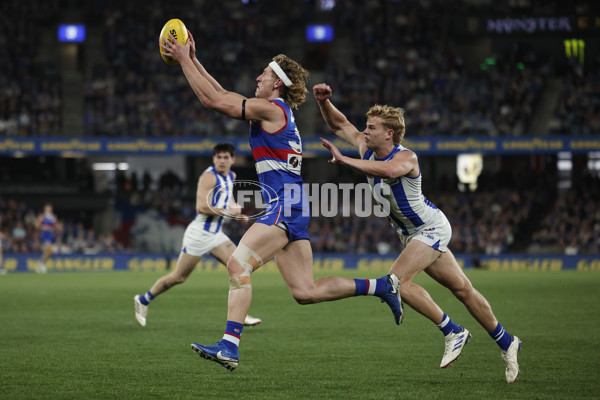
[200, 67]
[206, 185]
[209, 92]
[336, 120]
[214, 97]
[403, 163]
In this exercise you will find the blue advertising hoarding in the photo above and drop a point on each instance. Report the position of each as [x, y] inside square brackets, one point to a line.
[14, 263]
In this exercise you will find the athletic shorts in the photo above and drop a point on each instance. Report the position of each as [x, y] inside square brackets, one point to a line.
[46, 237]
[197, 242]
[294, 221]
[436, 234]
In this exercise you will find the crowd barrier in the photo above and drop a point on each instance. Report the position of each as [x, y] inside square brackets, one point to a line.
[16, 263]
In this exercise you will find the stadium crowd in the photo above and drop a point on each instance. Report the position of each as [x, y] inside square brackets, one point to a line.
[578, 108]
[19, 234]
[386, 52]
[30, 87]
[573, 225]
[488, 221]
[399, 53]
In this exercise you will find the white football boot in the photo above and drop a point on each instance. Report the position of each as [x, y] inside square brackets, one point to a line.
[140, 310]
[510, 359]
[41, 268]
[453, 347]
[251, 321]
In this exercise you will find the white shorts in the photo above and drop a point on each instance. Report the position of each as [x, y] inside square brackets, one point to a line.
[436, 234]
[197, 242]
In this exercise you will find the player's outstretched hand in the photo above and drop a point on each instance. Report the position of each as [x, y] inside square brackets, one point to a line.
[192, 45]
[322, 91]
[172, 48]
[335, 152]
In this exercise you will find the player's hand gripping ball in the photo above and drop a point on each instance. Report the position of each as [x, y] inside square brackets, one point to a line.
[176, 28]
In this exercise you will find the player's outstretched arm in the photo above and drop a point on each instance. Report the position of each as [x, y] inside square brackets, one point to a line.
[220, 100]
[403, 163]
[200, 67]
[335, 119]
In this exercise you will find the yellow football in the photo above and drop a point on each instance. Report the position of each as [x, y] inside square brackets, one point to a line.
[176, 28]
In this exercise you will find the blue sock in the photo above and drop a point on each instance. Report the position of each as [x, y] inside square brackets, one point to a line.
[145, 299]
[373, 287]
[447, 326]
[501, 337]
[232, 335]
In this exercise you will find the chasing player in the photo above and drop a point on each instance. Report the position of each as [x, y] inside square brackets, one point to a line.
[421, 226]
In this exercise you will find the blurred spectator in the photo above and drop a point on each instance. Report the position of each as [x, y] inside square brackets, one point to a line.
[573, 225]
[30, 91]
[578, 109]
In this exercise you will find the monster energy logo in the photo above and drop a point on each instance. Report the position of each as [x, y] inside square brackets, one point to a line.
[575, 48]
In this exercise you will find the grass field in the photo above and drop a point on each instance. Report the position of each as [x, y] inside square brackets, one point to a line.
[73, 336]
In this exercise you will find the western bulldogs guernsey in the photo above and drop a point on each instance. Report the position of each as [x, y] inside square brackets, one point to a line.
[278, 155]
[409, 208]
[220, 198]
[47, 228]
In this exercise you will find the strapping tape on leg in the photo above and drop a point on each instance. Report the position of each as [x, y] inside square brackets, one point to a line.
[249, 260]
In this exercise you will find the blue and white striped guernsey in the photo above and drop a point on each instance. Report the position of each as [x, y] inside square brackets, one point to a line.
[220, 198]
[409, 209]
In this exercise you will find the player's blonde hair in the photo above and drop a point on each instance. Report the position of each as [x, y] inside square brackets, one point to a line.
[295, 94]
[392, 118]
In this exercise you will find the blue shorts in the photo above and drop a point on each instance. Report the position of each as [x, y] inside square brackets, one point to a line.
[294, 221]
[46, 237]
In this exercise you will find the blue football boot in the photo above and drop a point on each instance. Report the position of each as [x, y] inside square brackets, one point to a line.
[219, 353]
[393, 299]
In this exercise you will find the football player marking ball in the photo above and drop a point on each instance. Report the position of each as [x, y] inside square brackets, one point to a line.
[176, 28]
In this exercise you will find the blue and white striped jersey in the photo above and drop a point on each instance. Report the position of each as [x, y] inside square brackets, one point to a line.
[220, 198]
[409, 209]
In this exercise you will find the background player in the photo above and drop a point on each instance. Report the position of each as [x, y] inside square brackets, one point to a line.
[46, 222]
[214, 202]
[282, 231]
[423, 228]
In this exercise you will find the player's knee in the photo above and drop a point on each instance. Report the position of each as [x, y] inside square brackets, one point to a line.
[243, 261]
[303, 297]
[173, 279]
[462, 291]
[239, 269]
[234, 268]
[304, 300]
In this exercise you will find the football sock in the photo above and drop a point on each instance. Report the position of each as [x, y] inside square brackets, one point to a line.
[145, 299]
[232, 335]
[501, 337]
[448, 326]
[373, 287]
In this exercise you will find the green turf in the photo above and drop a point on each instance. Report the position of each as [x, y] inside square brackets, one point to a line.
[73, 336]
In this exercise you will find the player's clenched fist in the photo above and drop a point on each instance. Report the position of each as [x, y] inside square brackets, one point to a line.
[322, 91]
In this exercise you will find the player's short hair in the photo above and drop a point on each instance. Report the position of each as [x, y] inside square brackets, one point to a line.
[392, 118]
[224, 148]
[295, 94]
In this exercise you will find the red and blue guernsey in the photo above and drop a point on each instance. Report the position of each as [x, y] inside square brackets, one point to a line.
[278, 159]
[278, 155]
[47, 228]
